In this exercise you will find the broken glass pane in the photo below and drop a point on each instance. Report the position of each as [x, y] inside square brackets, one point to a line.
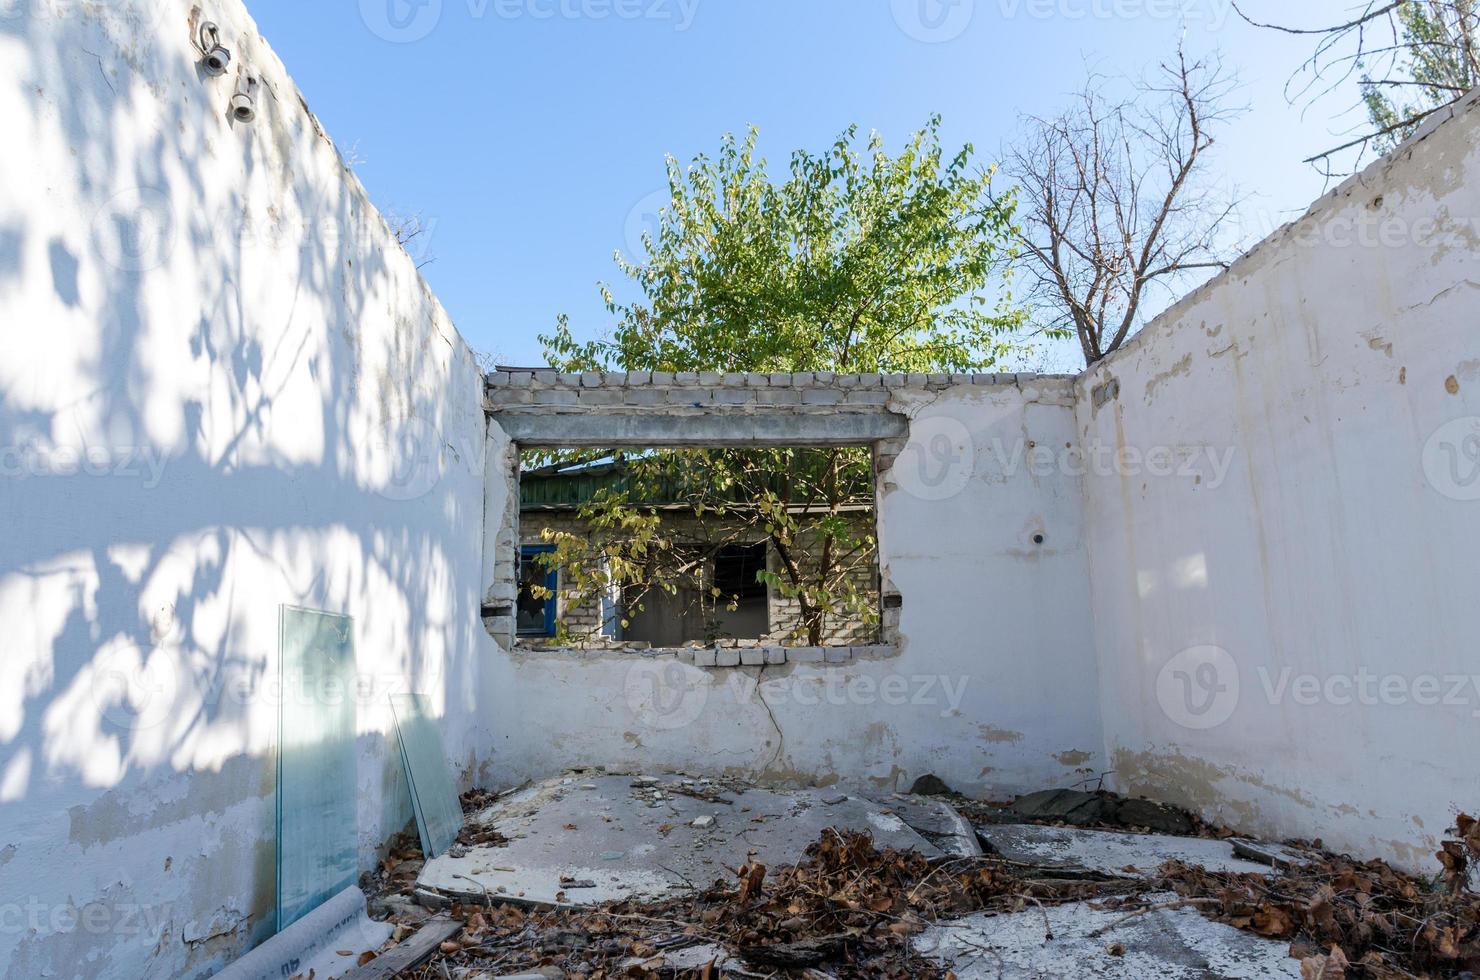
[536, 612]
[433, 795]
[317, 816]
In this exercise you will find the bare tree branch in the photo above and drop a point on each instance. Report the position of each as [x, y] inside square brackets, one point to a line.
[1426, 60]
[407, 229]
[1112, 198]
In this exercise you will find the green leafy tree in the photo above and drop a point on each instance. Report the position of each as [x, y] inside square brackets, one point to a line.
[858, 260]
[1438, 62]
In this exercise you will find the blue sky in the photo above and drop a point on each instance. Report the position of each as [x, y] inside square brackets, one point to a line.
[531, 133]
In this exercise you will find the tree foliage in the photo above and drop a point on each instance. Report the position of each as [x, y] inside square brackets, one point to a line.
[1410, 59]
[856, 261]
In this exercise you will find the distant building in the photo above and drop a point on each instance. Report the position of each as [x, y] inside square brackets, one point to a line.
[552, 498]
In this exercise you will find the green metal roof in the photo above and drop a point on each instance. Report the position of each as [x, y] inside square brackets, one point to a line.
[568, 488]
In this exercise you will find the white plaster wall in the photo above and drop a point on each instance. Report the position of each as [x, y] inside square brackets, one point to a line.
[1324, 362]
[994, 688]
[273, 409]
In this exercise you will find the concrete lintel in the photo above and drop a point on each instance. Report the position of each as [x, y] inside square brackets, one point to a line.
[656, 429]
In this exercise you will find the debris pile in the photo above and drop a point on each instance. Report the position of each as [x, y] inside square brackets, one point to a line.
[1350, 919]
[855, 906]
[849, 909]
[1077, 808]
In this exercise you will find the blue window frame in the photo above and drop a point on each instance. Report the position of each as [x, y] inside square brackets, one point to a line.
[536, 616]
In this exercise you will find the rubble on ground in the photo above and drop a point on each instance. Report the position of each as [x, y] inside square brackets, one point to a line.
[1090, 809]
[1046, 899]
[591, 838]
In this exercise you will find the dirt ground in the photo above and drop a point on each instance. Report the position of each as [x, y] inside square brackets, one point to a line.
[854, 900]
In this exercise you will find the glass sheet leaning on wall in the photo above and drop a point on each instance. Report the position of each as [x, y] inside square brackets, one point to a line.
[433, 794]
[317, 812]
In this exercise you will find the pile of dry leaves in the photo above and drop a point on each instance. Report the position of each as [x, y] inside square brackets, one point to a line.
[1347, 919]
[849, 908]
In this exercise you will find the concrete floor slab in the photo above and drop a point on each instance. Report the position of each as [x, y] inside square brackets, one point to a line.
[1169, 944]
[583, 841]
[937, 821]
[1110, 852]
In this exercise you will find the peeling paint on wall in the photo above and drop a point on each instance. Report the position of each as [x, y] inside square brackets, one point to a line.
[1334, 552]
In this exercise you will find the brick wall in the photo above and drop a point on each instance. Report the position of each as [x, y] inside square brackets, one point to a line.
[545, 408]
[844, 629]
[698, 389]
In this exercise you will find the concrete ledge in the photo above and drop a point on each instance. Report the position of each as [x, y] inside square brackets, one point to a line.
[698, 382]
[720, 657]
[838, 427]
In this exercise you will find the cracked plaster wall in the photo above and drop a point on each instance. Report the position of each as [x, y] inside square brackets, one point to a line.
[168, 297]
[223, 388]
[989, 683]
[1332, 371]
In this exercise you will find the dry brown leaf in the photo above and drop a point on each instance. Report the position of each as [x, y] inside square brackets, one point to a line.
[1332, 967]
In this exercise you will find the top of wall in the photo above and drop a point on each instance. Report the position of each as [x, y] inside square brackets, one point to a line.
[713, 408]
[1374, 177]
[503, 385]
[241, 33]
